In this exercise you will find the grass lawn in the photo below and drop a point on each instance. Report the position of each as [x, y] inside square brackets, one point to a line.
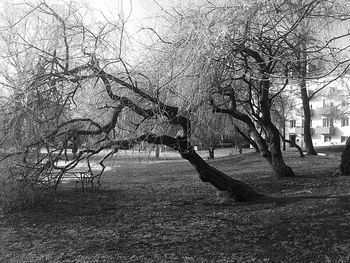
[161, 212]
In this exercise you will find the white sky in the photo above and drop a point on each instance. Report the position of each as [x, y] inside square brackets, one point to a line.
[143, 13]
[139, 13]
[141, 10]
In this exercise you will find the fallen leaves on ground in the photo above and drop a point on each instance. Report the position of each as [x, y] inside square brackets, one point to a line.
[162, 212]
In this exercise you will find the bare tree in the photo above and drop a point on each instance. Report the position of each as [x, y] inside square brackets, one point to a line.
[314, 51]
[88, 64]
[241, 67]
[247, 51]
[230, 57]
[33, 109]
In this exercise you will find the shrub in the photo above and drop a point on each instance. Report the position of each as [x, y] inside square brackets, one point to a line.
[16, 191]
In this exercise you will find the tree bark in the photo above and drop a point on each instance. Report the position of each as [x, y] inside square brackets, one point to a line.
[304, 96]
[307, 120]
[272, 152]
[280, 167]
[238, 190]
[274, 142]
[345, 159]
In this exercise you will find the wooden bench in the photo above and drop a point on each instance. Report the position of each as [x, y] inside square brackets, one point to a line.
[84, 178]
[55, 177]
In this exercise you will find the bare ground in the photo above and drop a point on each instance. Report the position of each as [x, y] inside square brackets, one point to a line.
[161, 212]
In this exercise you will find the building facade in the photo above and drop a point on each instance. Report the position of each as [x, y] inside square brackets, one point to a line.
[330, 112]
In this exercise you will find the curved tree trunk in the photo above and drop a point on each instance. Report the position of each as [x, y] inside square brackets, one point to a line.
[238, 190]
[293, 144]
[345, 159]
[272, 153]
[274, 142]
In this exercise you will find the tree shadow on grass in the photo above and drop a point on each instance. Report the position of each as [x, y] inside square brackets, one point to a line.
[286, 200]
[343, 201]
[69, 204]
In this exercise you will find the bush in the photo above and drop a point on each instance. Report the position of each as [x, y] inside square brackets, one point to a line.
[16, 193]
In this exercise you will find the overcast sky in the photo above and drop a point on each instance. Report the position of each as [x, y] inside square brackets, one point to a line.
[139, 13]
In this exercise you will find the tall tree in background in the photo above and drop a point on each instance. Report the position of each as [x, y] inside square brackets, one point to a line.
[314, 53]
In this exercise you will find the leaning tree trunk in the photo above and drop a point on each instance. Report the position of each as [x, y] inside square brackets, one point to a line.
[345, 159]
[273, 135]
[293, 144]
[272, 152]
[237, 190]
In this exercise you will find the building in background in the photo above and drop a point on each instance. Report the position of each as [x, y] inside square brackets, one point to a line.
[330, 112]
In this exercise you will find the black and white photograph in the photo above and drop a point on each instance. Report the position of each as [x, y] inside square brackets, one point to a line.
[174, 131]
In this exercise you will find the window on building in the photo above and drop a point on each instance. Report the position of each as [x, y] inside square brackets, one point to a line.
[327, 138]
[345, 121]
[343, 138]
[327, 103]
[292, 123]
[327, 122]
[302, 123]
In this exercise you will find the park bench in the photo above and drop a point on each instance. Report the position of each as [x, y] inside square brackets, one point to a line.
[50, 177]
[84, 178]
